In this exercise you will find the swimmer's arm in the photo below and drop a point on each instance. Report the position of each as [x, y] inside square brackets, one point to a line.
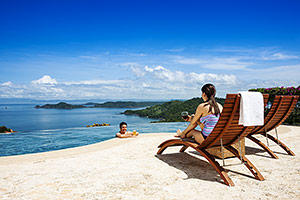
[126, 135]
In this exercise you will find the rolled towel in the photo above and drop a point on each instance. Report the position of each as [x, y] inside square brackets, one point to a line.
[251, 109]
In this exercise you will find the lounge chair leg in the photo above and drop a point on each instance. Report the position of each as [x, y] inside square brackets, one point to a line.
[166, 144]
[217, 167]
[262, 145]
[266, 135]
[276, 135]
[162, 148]
[247, 162]
[283, 146]
[222, 150]
[240, 149]
[183, 148]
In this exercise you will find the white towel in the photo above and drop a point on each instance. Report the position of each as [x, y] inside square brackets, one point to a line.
[251, 109]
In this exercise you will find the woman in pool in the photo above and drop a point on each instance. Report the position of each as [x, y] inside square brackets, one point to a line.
[207, 114]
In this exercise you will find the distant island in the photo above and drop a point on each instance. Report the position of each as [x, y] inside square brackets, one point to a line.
[170, 111]
[61, 105]
[109, 104]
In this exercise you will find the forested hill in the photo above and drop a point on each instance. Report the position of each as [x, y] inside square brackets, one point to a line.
[61, 105]
[125, 104]
[109, 104]
[170, 111]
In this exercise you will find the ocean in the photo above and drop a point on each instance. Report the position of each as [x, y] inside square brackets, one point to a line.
[40, 130]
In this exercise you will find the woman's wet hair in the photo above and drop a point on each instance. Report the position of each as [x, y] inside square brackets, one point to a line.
[210, 91]
[122, 123]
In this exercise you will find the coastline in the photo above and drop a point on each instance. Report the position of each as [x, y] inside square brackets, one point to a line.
[130, 169]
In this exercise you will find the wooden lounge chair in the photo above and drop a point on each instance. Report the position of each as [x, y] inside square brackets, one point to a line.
[281, 108]
[226, 132]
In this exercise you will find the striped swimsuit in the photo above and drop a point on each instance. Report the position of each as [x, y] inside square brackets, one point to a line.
[209, 122]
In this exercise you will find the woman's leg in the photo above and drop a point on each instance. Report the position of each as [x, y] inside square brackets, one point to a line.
[197, 135]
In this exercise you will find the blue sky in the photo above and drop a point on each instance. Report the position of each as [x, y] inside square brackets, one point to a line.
[146, 49]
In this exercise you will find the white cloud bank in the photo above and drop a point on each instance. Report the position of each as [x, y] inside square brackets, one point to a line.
[156, 82]
[168, 76]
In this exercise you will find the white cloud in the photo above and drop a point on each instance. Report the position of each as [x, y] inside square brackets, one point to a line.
[138, 54]
[235, 50]
[228, 63]
[176, 50]
[237, 59]
[228, 79]
[158, 68]
[8, 83]
[47, 80]
[260, 53]
[89, 57]
[134, 67]
[129, 64]
[282, 72]
[163, 73]
[50, 91]
[190, 61]
[278, 56]
[94, 82]
[167, 75]
[145, 85]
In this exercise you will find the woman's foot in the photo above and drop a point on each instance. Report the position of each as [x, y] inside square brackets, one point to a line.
[179, 134]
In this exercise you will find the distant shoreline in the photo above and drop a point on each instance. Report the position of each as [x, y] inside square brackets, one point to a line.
[108, 104]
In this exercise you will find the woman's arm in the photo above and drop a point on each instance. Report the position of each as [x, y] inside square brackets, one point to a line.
[193, 124]
[220, 107]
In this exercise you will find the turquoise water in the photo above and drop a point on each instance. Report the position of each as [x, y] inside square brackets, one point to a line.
[40, 130]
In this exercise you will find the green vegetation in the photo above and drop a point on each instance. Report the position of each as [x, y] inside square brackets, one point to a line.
[170, 111]
[278, 91]
[294, 118]
[109, 104]
[124, 104]
[61, 105]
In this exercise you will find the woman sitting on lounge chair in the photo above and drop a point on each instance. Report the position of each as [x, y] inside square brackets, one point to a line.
[207, 114]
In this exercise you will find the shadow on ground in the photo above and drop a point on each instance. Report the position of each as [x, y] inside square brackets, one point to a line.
[193, 167]
[258, 151]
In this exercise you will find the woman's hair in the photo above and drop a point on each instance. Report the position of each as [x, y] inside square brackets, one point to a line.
[210, 91]
[122, 123]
